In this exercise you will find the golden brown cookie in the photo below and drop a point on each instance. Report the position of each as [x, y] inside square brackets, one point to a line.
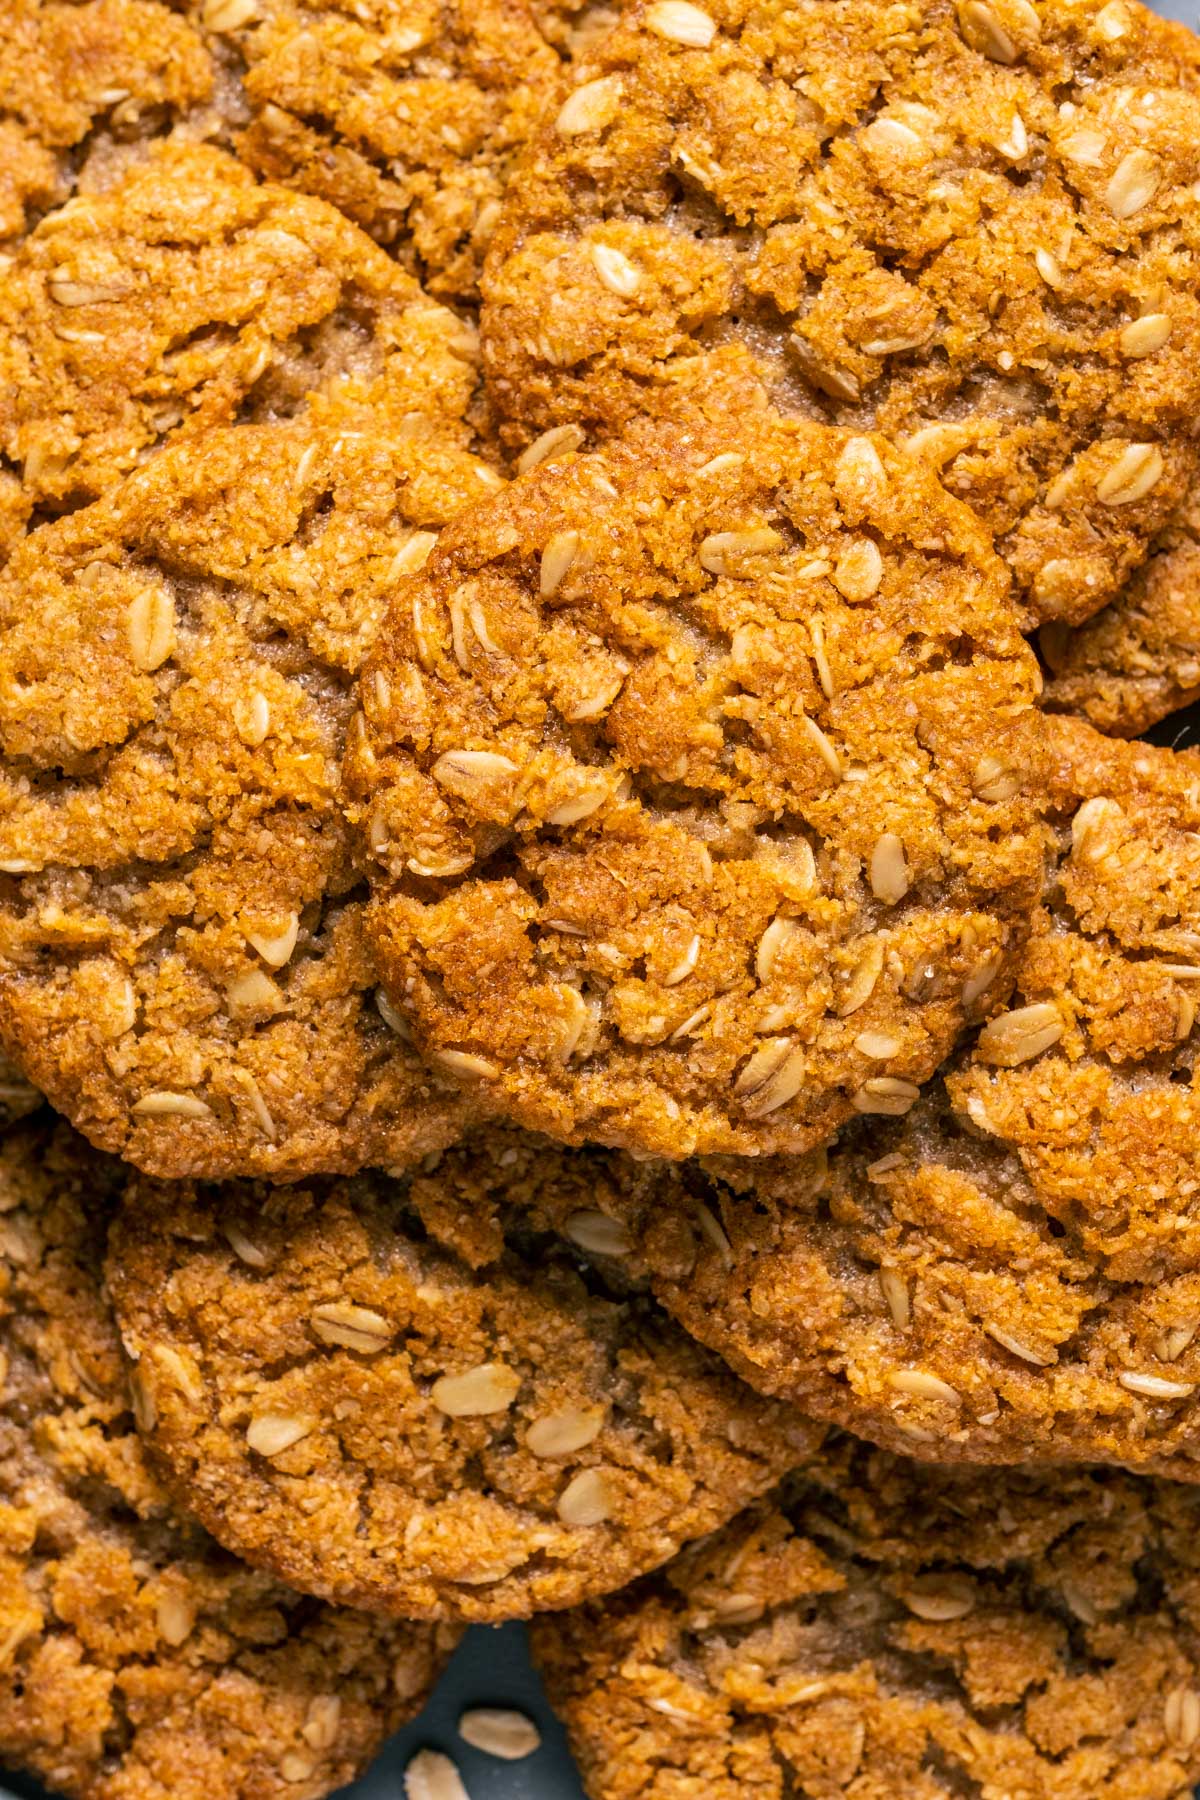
[140, 1661]
[189, 295]
[85, 83]
[386, 1402]
[974, 225]
[912, 1285]
[695, 780]
[182, 963]
[1009, 1272]
[1139, 659]
[878, 1630]
[84, 88]
[406, 114]
[1092, 1077]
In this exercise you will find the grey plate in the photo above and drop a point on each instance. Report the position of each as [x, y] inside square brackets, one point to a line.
[492, 1668]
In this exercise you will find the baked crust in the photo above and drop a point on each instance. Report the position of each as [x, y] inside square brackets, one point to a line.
[878, 1629]
[184, 971]
[141, 1661]
[697, 780]
[410, 1410]
[971, 225]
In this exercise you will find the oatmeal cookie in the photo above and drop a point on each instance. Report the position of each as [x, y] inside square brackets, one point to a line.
[911, 1285]
[406, 114]
[973, 224]
[189, 295]
[140, 1661]
[1009, 1273]
[877, 1630]
[1093, 1077]
[695, 779]
[183, 969]
[360, 1388]
[1139, 659]
[87, 80]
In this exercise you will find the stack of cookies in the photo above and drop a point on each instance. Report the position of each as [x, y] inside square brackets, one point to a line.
[599, 989]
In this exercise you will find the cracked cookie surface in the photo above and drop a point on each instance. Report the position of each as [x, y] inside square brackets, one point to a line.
[697, 782]
[358, 1385]
[185, 296]
[973, 225]
[1092, 1077]
[83, 87]
[875, 1629]
[140, 1660]
[83, 82]
[406, 114]
[1139, 659]
[185, 973]
[1009, 1272]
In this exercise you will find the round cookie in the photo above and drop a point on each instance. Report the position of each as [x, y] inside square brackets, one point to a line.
[189, 295]
[392, 1404]
[1139, 659]
[1008, 1273]
[84, 83]
[183, 969]
[694, 776]
[140, 1660]
[877, 1629]
[973, 224]
[406, 114]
